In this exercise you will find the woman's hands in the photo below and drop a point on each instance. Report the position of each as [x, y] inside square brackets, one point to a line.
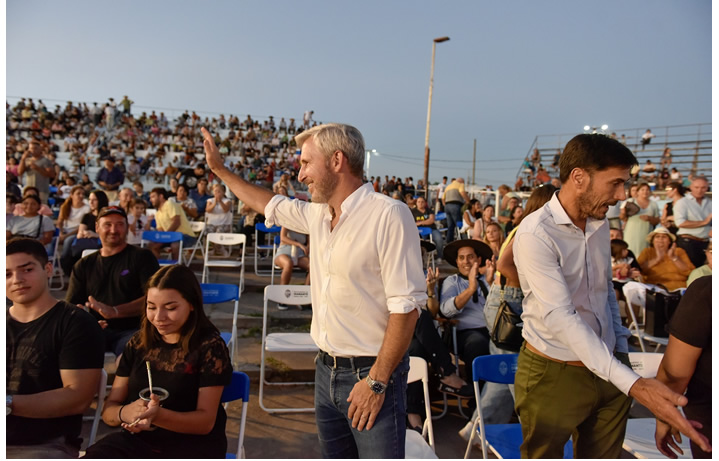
[140, 414]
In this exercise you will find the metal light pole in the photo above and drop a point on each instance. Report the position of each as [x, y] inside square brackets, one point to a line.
[429, 117]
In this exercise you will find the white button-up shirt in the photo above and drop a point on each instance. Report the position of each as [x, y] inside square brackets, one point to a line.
[688, 209]
[368, 267]
[570, 311]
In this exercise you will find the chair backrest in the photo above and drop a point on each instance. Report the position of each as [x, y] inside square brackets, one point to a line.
[424, 231]
[213, 293]
[89, 251]
[197, 226]
[101, 391]
[226, 238]
[260, 226]
[238, 389]
[495, 368]
[417, 370]
[645, 364]
[293, 295]
[162, 236]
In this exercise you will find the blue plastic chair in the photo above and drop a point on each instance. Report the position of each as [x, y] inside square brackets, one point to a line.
[215, 293]
[503, 439]
[238, 389]
[164, 237]
[441, 216]
[266, 247]
[425, 232]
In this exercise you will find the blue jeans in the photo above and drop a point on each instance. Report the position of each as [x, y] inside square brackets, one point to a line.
[338, 439]
[497, 400]
[454, 218]
[438, 242]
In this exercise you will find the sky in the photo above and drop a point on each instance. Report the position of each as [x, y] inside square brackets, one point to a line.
[512, 70]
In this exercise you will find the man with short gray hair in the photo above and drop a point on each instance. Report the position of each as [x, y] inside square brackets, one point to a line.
[693, 217]
[367, 289]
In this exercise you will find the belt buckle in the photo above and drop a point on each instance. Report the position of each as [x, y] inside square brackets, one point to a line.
[334, 359]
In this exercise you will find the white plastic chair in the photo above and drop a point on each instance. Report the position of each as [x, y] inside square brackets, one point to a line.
[284, 342]
[198, 227]
[238, 389]
[637, 329]
[221, 238]
[418, 372]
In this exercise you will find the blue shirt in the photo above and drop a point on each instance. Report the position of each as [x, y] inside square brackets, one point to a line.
[110, 177]
[200, 200]
[472, 314]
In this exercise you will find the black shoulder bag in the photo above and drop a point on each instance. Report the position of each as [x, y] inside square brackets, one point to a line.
[507, 330]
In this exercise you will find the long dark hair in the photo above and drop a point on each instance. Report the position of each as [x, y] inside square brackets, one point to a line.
[184, 281]
[102, 201]
[67, 204]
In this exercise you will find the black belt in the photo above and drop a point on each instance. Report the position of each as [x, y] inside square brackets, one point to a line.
[691, 237]
[346, 362]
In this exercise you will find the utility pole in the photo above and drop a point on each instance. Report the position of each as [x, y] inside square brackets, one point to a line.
[474, 162]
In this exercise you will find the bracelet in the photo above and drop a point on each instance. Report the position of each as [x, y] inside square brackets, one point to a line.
[430, 296]
[119, 414]
[117, 314]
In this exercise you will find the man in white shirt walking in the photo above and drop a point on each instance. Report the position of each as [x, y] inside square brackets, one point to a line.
[367, 289]
[573, 374]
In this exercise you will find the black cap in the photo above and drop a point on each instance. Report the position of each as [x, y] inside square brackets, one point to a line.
[108, 210]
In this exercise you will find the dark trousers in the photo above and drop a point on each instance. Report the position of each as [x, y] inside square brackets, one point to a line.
[694, 248]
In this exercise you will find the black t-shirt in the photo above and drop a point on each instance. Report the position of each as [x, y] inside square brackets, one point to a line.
[64, 338]
[692, 324]
[419, 216]
[182, 375]
[113, 280]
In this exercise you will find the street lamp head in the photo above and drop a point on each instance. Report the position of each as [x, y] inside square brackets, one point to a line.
[441, 39]
[604, 127]
[587, 127]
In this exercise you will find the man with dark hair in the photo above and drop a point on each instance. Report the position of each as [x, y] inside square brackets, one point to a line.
[573, 372]
[110, 178]
[367, 289]
[201, 196]
[111, 281]
[37, 168]
[54, 359]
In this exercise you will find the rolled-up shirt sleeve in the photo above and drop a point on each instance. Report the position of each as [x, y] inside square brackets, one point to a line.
[282, 211]
[450, 290]
[543, 274]
[401, 262]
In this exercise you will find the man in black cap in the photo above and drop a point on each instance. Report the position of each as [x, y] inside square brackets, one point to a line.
[110, 282]
[464, 294]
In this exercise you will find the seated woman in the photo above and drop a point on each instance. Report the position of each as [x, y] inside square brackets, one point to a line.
[494, 237]
[663, 265]
[71, 213]
[470, 216]
[218, 215]
[31, 224]
[86, 237]
[293, 252]
[480, 226]
[188, 358]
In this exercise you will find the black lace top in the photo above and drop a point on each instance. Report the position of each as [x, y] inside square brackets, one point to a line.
[182, 375]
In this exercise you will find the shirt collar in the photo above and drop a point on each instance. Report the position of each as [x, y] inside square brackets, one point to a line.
[560, 216]
[359, 194]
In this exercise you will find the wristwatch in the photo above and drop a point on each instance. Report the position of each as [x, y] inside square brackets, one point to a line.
[376, 386]
[8, 404]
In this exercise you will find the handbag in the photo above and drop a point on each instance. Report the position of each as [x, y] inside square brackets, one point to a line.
[659, 308]
[507, 329]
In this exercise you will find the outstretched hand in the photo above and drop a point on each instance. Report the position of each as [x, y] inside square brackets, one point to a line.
[212, 153]
[663, 402]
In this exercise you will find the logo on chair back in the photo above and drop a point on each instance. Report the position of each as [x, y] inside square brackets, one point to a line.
[288, 293]
[503, 368]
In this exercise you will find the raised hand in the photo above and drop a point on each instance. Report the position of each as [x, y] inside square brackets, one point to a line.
[212, 153]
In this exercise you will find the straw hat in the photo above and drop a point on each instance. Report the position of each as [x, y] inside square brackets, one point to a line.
[660, 230]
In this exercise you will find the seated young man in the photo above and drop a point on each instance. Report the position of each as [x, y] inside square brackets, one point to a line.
[54, 359]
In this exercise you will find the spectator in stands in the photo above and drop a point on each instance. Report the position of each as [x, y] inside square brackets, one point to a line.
[133, 170]
[693, 217]
[675, 192]
[494, 237]
[649, 171]
[701, 271]
[189, 359]
[86, 237]
[292, 252]
[124, 199]
[687, 366]
[126, 105]
[140, 192]
[174, 184]
[555, 160]
[200, 196]
[638, 226]
[464, 294]
[647, 138]
[31, 224]
[110, 281]
[515, 217]
[426, 343]
[284, 181]
[440, 193]
[424, 217]
[470, 216]
[453, 199]
[10, 202]
[663, 178]
[38, 169]
[70, 216]
[480, 226]
[191, 176]
[666, 160]
[137, 221]
[110, 178]
[170, 217]
[675, 175]
[183, 199]
[86, 183]
[219, 212]
[509, 201]
[53, 360]
[19, 209]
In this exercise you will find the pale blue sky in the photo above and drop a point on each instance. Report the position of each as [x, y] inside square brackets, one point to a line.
[512, 69]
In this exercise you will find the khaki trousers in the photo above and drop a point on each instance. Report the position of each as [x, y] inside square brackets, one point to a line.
[556, 401]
